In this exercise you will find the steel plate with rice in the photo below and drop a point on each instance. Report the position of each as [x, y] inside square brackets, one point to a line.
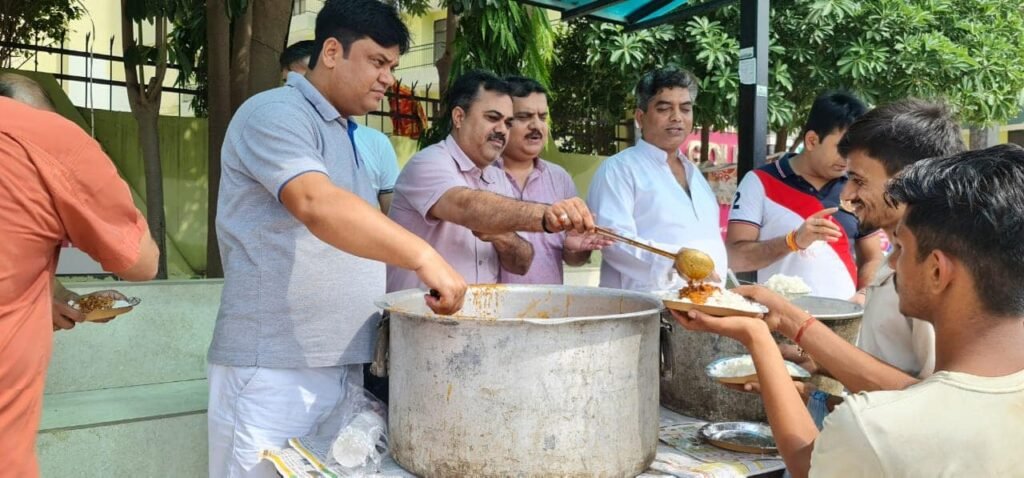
[740, 369]
[722, 303]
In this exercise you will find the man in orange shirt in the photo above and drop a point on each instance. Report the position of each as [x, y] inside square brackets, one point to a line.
[55, 184]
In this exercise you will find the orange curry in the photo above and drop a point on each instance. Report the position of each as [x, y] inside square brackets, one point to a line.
[697, 292]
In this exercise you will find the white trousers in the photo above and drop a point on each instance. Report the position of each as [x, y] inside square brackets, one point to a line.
[253, 409]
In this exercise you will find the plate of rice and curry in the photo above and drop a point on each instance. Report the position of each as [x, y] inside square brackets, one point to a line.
[712, 300]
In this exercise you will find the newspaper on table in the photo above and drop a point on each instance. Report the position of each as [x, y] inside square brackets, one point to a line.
[680, 454]
[290, 463]
[687, 456]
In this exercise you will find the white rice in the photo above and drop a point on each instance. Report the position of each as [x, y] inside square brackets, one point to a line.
[726, 299]
[743, 366]
[789, 286]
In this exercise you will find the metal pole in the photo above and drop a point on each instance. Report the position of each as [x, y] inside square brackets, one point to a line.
[110, 76]
[61, 58]
[753, 107]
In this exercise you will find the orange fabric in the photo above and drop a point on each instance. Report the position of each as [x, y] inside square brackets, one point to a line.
[55, 184]
[402, 102]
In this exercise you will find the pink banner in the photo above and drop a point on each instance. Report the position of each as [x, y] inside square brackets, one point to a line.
[721, 149]
[721, 152]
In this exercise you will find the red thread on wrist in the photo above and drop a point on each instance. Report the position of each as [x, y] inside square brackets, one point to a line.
[803, 327]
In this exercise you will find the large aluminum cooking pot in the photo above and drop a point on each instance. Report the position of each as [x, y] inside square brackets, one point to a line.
[686, 388]
[525, 381]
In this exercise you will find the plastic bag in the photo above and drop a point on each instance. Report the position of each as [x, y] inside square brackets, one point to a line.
[352, 440]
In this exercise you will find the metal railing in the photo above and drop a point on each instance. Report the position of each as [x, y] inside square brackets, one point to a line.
[30, 53]
[418, 56]
[425, 97]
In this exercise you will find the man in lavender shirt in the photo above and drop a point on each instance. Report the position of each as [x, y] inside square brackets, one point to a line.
[534, 179]
[450, 195]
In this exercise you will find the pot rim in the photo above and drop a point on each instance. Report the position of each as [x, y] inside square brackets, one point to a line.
[385, 302]
[809, 302]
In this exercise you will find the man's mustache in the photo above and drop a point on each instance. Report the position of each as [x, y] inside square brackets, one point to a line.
[496, 136]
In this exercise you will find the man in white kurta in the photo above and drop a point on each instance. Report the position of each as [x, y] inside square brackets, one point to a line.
[651, 192]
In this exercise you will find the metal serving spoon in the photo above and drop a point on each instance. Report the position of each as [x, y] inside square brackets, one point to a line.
[689, 262]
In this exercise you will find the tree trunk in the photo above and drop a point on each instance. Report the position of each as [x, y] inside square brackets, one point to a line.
[144, 100]
[218, 46]
[705, 143]
[444, 64]
[149, 138]
[269, 34]
[781, 140]
[982, 137]
[242, 61]
[241, 42]
[979, 138]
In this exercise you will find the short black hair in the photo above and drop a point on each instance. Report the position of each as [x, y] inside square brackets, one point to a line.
[296, 52]
[656, 80]
[351, 20]
[466, 88]
[968, 205]
[522, 86]
[833, 111]
[901, 133]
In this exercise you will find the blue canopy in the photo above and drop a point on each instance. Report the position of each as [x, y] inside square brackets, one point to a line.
[634, 14]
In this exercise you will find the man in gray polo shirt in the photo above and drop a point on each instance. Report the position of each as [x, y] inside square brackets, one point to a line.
[301, 236]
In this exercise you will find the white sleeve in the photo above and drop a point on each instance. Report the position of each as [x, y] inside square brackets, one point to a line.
[611, 199]
[842, 448]
[748, 205]
[923, 337]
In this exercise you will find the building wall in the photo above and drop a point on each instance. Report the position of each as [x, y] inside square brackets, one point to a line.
[99, 31]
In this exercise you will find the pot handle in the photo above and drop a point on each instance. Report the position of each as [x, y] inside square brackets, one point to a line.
[665, 340]
[379, 366]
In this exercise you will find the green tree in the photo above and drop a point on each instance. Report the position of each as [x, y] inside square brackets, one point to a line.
[503, 36]
[967, 52]
[144, 94]
[586, 109]
[616, 60]
[23, 21]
